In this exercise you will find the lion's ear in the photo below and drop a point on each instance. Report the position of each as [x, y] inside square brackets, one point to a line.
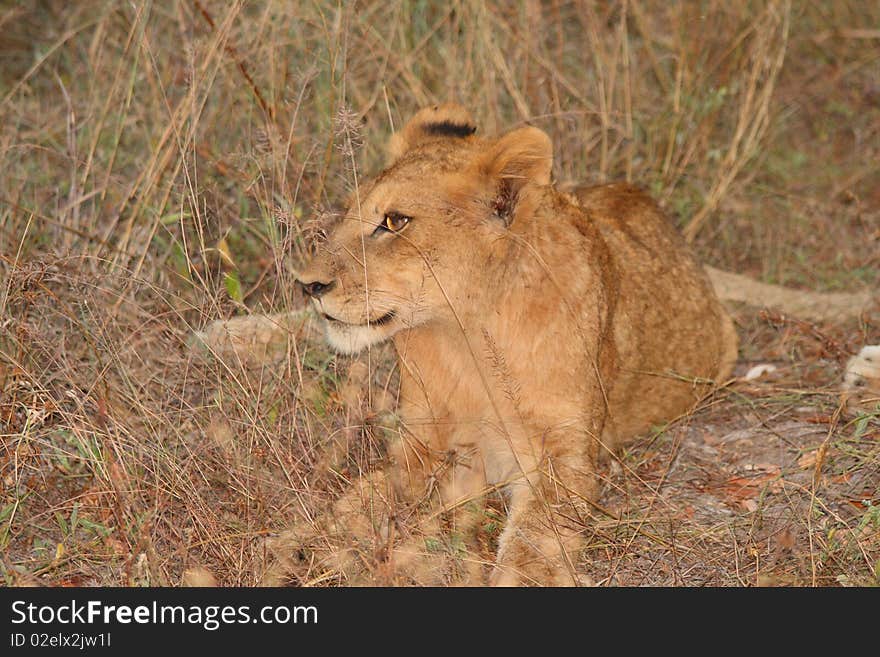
[522, 156]
[438, 121]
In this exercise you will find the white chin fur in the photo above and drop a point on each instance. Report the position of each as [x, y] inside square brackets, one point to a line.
[348, 339]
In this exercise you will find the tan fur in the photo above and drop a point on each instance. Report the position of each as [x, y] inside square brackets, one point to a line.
[861, 379]
[534, 329]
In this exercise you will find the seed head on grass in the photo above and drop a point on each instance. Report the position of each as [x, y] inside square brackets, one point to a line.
[348, 130]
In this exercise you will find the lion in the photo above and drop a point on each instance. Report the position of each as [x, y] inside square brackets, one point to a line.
[536, 330]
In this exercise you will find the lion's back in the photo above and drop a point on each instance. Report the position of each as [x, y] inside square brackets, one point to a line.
[673, 338]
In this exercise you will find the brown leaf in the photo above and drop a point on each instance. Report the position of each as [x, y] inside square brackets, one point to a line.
[743, 490]
[221, 434]
[199, 576]
[785, 540]
[808, 460]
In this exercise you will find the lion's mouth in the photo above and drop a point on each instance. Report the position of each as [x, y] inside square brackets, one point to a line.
[379, 321]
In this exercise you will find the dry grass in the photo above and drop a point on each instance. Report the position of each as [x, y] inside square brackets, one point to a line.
[166, 162]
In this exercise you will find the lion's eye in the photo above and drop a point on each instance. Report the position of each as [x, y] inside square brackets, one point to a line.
[393, 222]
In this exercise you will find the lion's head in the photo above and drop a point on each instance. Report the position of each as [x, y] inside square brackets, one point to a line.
[422, 239]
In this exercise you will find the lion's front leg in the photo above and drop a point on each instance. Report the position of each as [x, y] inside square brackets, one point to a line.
[412, 522]
[348, 540]
[442, 488]
[543, 536]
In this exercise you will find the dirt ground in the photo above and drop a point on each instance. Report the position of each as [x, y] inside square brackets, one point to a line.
[766, 486]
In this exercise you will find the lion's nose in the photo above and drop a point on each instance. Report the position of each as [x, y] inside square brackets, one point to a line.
[316, 289]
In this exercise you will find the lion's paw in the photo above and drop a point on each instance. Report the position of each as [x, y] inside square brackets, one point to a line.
[861, 378]
[340, 544]
[253, 340]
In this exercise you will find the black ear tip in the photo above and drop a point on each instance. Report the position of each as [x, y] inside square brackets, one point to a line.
[449, 129]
